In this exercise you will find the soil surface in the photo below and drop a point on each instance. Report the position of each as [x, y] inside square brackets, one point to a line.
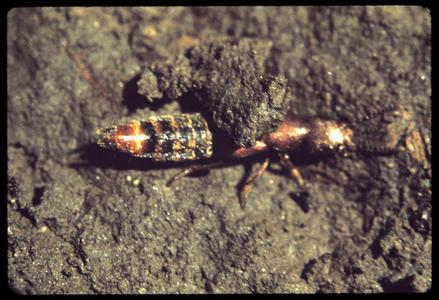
[85, 220]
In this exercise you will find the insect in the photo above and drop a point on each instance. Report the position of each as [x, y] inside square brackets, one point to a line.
[188, 137]
[161, 138]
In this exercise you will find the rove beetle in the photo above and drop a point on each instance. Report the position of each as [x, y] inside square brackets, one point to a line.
[188, 137]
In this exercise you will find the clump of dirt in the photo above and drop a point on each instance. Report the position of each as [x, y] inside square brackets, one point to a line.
[229, 80]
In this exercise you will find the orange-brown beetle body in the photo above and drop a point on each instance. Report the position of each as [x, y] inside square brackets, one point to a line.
[188, 137]
[311, 135]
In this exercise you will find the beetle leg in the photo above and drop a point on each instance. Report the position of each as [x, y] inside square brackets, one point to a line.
[246, 189]
[292, 170]
[193, 169]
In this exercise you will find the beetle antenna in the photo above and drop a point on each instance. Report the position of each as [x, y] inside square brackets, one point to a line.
[377, 149]
[367, 147]
[385, 108]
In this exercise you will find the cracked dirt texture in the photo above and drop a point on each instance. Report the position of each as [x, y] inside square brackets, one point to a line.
[83, 220]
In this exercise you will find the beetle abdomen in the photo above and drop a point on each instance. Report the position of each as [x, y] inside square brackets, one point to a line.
[161, 138]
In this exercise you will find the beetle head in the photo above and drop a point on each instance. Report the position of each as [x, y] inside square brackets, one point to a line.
[329, 136]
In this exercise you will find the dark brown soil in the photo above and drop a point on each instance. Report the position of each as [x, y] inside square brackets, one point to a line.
[85, 220]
